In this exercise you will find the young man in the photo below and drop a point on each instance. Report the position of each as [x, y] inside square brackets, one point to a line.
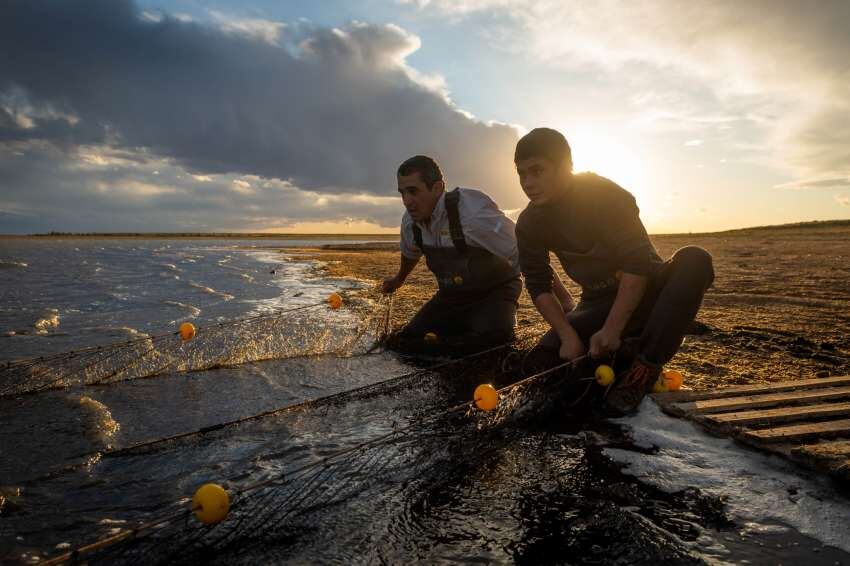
[470, 246]
[592, 226]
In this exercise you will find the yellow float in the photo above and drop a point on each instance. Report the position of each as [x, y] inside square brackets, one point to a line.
[604, 375]
[486, 397]
[431, 338]
[211, 504]
[187, 331]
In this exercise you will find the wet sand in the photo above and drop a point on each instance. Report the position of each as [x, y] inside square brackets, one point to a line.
[779, 308]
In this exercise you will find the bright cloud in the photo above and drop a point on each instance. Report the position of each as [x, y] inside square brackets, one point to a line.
[779, 68]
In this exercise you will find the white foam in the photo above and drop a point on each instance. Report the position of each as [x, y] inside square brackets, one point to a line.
[48, 319]
[193, 310]
[298, 282]
[760, 490]
[105, 425]
[224, 296]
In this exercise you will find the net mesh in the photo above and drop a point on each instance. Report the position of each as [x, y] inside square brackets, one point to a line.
[421, 442]
[276, 335]
[391, 449]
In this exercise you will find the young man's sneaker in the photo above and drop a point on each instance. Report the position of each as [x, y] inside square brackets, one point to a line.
[631, 387]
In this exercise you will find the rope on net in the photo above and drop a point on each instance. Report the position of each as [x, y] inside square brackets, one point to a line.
[283, 333]
[420, 451]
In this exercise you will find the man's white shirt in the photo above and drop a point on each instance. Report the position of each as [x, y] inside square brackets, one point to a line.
[484, 225]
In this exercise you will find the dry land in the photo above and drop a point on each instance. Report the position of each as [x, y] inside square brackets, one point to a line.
[779, 308]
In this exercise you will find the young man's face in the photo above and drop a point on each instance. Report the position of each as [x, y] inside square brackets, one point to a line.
[418, 199]
[541, 180]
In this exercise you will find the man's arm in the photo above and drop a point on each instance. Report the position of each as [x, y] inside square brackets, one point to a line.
[552, 311]
[563, 294]
[407, 264]
[629, 294]
[544, 291]
[410, 254]
[635, 254]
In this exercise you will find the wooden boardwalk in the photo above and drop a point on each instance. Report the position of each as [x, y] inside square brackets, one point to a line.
[807, 421]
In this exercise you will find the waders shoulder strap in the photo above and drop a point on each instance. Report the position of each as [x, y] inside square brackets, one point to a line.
[455, 229]
[417, 235]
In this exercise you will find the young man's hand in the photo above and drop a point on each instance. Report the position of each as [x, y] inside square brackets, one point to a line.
[390, 284]
[603, 342]
[571, 348]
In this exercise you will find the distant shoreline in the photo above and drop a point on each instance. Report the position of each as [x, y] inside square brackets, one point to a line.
[802, 226]
[200, 235]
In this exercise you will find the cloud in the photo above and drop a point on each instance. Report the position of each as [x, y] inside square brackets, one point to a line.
[327, 110]
[254, 28]
[831, 183]
[777, 67]
[693, 143]
[49, 188]
[843, 200]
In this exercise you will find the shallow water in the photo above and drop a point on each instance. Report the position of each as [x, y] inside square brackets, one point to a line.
[521, 494]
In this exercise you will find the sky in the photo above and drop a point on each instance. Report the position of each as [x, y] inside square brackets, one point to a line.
[268, 116]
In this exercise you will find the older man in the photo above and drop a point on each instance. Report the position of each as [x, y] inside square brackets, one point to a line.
[470, 247]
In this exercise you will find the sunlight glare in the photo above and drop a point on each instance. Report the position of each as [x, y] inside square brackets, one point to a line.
[612, 158]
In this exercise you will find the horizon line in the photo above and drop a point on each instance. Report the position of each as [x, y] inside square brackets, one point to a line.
[319, 235]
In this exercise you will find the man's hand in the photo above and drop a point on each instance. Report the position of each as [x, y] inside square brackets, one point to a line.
[571, 348]
[605, 341]
[390, 284]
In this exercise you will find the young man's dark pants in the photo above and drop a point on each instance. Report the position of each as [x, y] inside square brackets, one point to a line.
[470, 325]
[672, 299]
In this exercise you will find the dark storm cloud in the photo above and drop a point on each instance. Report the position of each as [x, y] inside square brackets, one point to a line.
[331, 110]
[93, 188]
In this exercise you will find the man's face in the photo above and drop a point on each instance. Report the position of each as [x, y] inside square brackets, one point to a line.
[418, 199]
[541, 180]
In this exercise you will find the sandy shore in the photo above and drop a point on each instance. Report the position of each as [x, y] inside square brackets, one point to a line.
[779, 308]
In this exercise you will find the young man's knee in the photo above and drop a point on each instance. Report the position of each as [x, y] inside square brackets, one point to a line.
[496, 317]
[696, 261]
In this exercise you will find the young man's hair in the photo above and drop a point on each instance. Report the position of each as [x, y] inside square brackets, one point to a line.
[544, 143]
[427, 168]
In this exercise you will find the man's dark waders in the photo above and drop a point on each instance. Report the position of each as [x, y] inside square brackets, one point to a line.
[476, 303]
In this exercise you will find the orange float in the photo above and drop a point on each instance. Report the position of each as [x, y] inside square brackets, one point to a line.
[486, 397]
[187, 331]
[335, 301]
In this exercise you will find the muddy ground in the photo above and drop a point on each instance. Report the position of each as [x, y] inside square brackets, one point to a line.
[779, 308]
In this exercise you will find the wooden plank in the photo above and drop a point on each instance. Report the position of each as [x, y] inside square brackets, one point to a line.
[780, 415]
[800, 432]
[741, 390]
[760, 401]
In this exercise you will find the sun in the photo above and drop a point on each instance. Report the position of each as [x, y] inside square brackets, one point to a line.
[613, 158]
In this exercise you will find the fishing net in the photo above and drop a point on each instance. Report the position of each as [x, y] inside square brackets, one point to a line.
[420, 440]
[275, 335]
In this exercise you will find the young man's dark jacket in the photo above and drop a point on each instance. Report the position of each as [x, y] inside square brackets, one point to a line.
[594, 229]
